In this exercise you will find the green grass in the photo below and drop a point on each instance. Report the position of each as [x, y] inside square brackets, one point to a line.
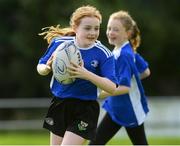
[151, 140]
[42, 138]
[24, 138]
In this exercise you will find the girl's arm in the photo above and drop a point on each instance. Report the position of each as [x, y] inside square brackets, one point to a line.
[45, 69]
[145, 74]
[44, 65]
[142, 66]
[103, 83]
[120, 90]
[78, 71]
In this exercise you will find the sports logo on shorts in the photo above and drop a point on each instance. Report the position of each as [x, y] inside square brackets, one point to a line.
[49, 121]
[82, 126]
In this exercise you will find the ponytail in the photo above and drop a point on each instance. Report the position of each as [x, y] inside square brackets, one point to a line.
[51, 32]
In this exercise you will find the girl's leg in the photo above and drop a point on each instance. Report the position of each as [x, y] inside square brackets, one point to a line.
[72, 139]
[137, 135]
[105, 131]
[55, 139]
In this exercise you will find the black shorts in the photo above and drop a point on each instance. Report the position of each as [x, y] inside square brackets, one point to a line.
[75, 115]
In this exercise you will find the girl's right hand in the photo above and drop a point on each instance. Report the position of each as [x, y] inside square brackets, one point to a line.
[43, 69]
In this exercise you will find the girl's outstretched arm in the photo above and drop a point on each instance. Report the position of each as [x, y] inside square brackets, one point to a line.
[78, 71]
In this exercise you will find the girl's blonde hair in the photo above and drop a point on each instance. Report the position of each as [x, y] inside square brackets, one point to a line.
[85, 11]
[130, 26]
[135, 36]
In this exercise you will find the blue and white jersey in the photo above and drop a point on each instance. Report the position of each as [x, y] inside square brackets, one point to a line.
[130, 109]
[141, 63]
[97, 59]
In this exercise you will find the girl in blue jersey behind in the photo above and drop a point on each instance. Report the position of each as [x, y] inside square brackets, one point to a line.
[73, 114]
[128, 110]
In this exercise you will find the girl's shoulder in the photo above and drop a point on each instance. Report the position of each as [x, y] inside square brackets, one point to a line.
[128, 51]
[58, 40]
[127, 56]
[103, 49]
[63, 38]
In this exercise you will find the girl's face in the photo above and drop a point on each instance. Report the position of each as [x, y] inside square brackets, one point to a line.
[87, 32]
[116, 33]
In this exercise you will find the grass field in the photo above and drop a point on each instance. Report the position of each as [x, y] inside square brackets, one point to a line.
[42, 138]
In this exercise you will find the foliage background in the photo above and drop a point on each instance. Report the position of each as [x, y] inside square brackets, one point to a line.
[21, 47]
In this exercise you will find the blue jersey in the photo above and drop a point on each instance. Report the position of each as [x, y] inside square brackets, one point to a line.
[97, 59]
[130, 109]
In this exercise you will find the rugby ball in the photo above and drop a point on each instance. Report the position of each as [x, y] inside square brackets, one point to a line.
[64, 54]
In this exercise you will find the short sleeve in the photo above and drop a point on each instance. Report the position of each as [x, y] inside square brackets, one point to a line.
[108, 69]
[124, 71]
[51, 48]
[141, 63]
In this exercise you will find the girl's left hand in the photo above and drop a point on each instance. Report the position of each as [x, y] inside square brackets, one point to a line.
[78, 71]
[103, 94]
